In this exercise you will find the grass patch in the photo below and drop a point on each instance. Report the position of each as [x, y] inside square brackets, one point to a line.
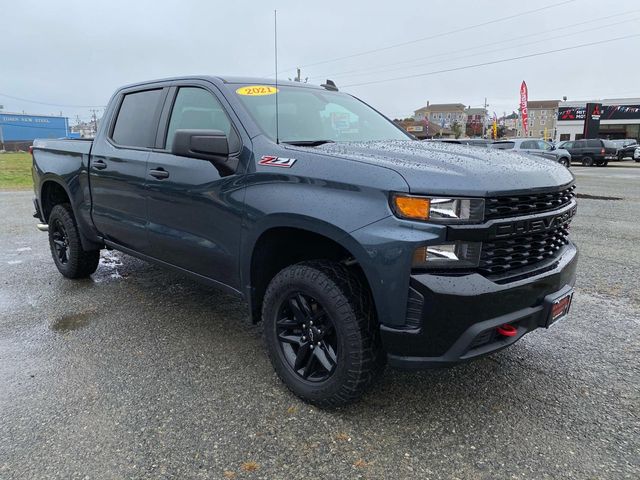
[15, 171]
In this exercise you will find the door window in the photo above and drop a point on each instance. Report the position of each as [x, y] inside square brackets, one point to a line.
[196, 108]
[136, 123]
[593, 143]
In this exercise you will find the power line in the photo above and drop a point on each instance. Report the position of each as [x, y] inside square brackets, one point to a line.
[437, 35]
[49, 104]
[476, 47]
[600, 27]
[494, 61]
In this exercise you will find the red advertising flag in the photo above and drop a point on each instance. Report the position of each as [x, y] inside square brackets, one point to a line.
[524, 101]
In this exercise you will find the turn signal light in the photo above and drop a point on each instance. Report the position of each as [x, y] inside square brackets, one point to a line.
[416, 208]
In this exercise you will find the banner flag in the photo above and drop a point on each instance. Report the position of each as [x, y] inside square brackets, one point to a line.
[524, 101]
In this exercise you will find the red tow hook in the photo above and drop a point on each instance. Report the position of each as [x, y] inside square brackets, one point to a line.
[507, 330]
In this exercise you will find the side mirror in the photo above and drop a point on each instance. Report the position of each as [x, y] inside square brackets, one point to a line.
[211, 145]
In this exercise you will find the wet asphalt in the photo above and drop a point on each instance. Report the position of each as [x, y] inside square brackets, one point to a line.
[141, 373]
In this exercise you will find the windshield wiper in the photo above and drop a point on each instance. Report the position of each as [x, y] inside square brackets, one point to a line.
[308, 143]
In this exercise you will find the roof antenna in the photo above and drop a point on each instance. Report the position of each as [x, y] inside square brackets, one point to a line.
[275, 47]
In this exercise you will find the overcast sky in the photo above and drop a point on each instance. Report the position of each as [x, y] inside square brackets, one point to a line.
[77, 53]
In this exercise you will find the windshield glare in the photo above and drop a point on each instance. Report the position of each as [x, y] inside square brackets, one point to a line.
[307, 115]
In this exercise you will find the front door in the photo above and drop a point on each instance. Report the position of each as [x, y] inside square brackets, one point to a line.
[118, 169]
[194, 213]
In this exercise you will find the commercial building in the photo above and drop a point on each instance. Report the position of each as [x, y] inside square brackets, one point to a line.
[619, 118]
[543, 116]
[439, 118]
[476, 118]
[17, 130]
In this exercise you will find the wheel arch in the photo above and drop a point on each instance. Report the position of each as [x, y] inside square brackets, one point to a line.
[53, 191]
[283, 240]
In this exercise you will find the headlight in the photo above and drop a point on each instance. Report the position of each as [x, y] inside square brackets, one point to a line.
[448, 255]
[438, 210]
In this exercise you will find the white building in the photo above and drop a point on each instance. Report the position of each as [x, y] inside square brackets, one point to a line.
[620, 118]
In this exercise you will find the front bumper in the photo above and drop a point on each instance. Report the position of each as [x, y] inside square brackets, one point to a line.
[456, 317]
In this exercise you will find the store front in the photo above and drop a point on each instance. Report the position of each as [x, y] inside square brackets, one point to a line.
[620, 119]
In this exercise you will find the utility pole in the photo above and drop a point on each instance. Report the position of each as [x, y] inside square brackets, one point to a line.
[484, 118]
[94, 119]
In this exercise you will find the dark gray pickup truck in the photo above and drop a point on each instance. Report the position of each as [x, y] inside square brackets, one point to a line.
[353, 243]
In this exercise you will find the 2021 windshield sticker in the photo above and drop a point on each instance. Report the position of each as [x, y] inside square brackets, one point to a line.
[256, 90]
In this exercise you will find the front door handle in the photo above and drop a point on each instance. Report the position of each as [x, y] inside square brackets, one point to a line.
[99, 164]
[159, 173]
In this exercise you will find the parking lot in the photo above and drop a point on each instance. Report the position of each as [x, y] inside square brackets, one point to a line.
[139, 373]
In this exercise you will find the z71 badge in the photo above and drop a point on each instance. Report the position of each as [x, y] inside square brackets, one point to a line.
[271, 161]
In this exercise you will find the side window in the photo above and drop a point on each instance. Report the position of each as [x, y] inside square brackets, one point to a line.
[135, 125]
[580, 144]
[196, 108]
[593, 144]
[529, 144]
[568, 145]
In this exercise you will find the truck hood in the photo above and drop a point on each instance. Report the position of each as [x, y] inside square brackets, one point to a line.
[451, 169]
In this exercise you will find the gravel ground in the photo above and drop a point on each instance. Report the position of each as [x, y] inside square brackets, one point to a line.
[139, 373]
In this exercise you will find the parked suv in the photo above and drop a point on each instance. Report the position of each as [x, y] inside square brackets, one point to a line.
[538, 147]
[626, 147]
[592, 151]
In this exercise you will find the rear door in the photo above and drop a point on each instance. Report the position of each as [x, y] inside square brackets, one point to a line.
[195, 213]
[578, 150]
[118, 168]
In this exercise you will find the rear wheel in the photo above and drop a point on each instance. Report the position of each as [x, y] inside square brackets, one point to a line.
[320, 333]
[66, 248]
[587, 161]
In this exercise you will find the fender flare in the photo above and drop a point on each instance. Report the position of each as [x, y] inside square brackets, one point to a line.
[301, 222]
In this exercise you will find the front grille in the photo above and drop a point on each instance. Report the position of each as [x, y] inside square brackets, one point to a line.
[512, 206]
[499, 256]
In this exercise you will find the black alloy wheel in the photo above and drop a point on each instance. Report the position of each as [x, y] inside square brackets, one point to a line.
[60, 241]
[71, 259]
[321, 332]
[307, 337]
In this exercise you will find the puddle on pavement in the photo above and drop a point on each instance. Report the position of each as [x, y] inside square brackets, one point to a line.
[72, 321]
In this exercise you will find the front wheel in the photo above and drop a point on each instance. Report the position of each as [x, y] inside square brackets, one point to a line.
[320, 333]
[564, 161]
[587, 161]
[66, 248]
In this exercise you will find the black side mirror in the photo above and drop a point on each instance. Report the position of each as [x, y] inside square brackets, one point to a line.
[209, 145]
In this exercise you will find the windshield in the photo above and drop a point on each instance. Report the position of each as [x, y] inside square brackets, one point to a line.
[315, 116]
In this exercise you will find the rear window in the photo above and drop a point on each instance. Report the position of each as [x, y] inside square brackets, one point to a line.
[503, 145]
[136, 122]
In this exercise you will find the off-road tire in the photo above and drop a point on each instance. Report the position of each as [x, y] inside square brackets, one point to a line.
[360, 357]
[79, 263]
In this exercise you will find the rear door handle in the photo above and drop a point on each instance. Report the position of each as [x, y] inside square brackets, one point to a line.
[99, 164]
[159, 173]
